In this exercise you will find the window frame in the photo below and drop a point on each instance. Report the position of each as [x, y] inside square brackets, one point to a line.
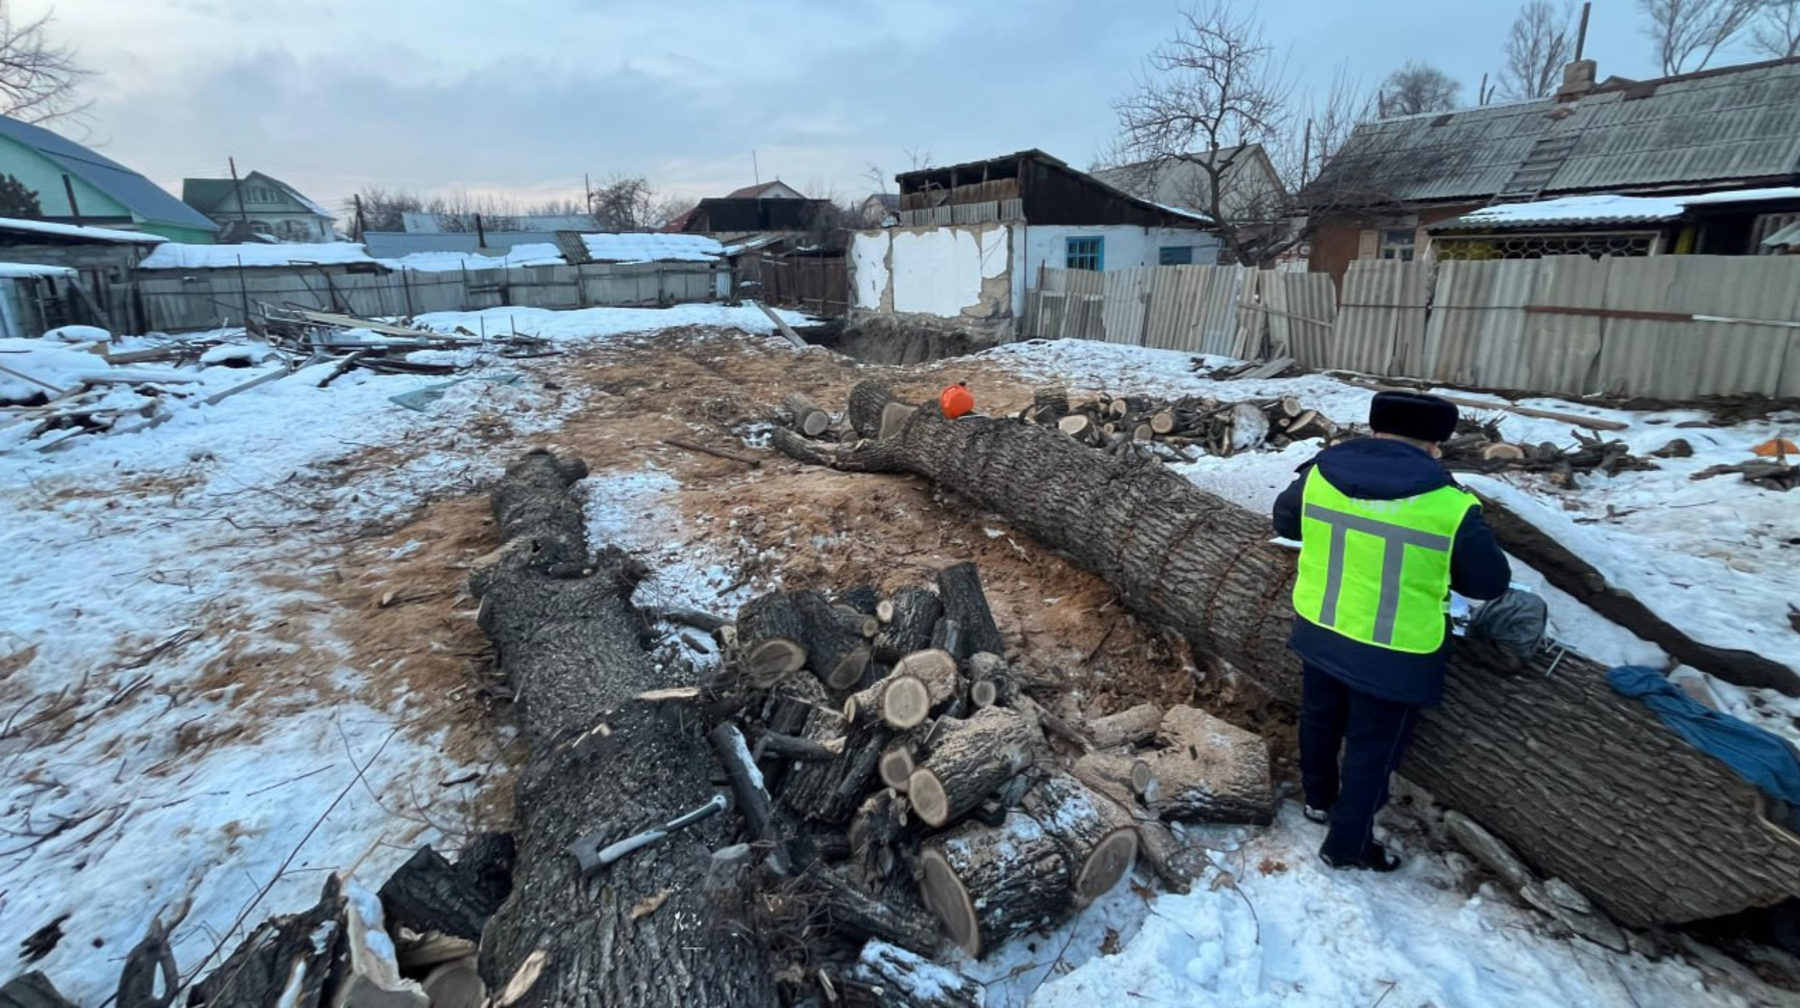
[1092, 248]
[1187, 255]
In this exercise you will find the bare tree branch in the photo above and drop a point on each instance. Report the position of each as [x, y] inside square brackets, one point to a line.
[1687, 33]
[1777, 33]
[1416, 88]
[623, 203]
[1537, 47]
[40, 81]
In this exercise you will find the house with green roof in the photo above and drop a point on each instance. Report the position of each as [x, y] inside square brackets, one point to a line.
[259, 207]
[75, 185]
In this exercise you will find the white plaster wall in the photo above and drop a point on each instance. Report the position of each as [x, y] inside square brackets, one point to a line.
[1126, 246]
[939, 271]
[869, 278]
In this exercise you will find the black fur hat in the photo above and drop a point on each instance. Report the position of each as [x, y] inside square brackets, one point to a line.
[1413, 415]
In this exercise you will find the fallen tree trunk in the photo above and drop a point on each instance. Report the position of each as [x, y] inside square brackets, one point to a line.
[1585, 784]
[600, 761]
[1562, 568]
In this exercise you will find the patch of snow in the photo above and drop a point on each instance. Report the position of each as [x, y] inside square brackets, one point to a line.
[79, 231]
[17, 271]
[652, 247]
[533, 254]
[78, 334]
[174, 255]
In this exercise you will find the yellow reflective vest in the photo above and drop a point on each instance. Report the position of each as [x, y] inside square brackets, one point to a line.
[1378, 571]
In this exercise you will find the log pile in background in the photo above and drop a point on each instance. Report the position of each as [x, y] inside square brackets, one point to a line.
[926, 789]
[1120, 424]
[1479, 446]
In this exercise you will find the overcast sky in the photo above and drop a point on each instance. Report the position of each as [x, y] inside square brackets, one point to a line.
[523, 98]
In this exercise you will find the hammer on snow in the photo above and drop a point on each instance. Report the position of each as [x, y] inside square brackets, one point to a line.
[592, 857]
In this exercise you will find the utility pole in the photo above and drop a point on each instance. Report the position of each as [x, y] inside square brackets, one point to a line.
[755, 170]
[238, 187]
[1581, 36]
[1306, 153]
[361, 225]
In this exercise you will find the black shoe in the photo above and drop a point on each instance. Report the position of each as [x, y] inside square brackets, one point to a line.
[1318, 815]
[1374, 857]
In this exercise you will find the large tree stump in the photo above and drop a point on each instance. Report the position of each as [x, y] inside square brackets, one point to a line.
[602, 761]
[960, 587]
[907, 618]
[1096, 835]
[1208, 771]
[988, 884]
[968, 760]
[1586, 785]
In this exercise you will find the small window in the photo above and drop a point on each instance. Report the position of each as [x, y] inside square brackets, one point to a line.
[1175, 255]
[1086, 254]
[1399, 243]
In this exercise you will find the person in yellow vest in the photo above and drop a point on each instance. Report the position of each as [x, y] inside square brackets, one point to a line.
[1385, 536]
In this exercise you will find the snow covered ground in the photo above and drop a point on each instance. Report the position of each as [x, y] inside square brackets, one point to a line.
[143, 755]
[177, 769]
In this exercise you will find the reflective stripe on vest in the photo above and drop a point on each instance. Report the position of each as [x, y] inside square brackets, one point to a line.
[1378, 571]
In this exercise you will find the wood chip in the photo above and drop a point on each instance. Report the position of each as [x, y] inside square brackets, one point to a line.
[647, 906]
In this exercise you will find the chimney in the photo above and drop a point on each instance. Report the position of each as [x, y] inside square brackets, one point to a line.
[1578, 79]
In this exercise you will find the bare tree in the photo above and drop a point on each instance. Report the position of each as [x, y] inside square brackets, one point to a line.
[1418, 87]
[1536, 50]
[40, 81]
[1777, 33]
[1687, 33]
[623, 203]
[670, 209]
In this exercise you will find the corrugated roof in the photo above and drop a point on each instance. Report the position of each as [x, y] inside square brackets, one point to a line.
[1607, 208]
[137, 193]
[1725, 126]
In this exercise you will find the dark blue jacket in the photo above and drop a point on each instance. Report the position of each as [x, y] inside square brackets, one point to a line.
[1380, 469]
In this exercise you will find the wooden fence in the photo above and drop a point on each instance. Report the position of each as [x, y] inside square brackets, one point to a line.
[816, 284]
[1672, 327]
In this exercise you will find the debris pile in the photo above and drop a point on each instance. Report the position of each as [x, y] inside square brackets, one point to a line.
[1279, 367]
[888, 755]
[1478, 446]
[1118, 423]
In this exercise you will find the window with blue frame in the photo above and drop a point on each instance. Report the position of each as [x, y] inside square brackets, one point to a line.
[1175, 255]
[1086, 254]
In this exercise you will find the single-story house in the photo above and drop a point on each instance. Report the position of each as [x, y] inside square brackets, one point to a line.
[1250, 193]
[1734, 222]
[971, 237]
[879, 209]
[75, 185]
[1719, 130]
[258, 206]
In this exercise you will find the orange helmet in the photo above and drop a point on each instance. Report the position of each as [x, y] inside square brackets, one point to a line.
[956, 400]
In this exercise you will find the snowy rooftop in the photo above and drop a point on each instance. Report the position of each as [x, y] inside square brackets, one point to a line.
[536, 254]
[652, 247]
[13, 271]
[177, 256]
[78, 231]
[1606, 209]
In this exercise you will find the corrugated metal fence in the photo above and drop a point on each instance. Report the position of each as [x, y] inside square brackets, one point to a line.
[1666, 326]
[1230, 311]
[196, 299]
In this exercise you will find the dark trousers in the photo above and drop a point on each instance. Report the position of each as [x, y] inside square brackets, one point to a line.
[1373, 733]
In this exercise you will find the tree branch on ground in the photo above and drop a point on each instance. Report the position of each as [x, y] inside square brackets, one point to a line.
[40, 81]
[1537, 47]
[1688, 33]
[1777, 33]
[1417, 88]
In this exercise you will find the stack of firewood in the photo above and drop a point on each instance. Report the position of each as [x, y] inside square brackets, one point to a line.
[1479, 446]
[1118, 423]
[894, 741]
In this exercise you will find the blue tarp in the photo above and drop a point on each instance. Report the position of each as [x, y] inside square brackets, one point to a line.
[1760, 757]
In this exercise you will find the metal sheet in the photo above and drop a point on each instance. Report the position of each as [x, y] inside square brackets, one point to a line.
[1302, 312]
[1127, 298]
[1685, 359]
[1381, 322]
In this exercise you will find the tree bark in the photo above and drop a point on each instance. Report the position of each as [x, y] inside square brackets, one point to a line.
[965, 602]
[1130, 726]
[804, 415]
[753, 801]
[1208, 771]
[285, 959]
[428, 893]
[1586, 785]
[1565, 570]
[772, 634]
[1097, 836]
[887, 976]
[911, 613]
[599, 760]
[988, 884]
[969, 760]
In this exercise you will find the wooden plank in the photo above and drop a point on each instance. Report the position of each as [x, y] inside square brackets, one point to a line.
[786, 330]
[60, 392]
[1657, 316]
[724, 453]
[1568, 418]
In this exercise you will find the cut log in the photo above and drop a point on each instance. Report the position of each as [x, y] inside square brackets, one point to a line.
[1096, 835]
[968, 760]
[1562, 568]
[946, 635]
[1119, 776]
[991, 681]
[367, 973]
[887, 976]
[1175, 864]
[1128, 727]
[863, 598]
[836, 650]
[1076, 425]
[34, 990]
[286, 960]
[1518, 754]
[1162, 422]
[989, 884]
[753, 800]
[771, 632]
[568, 648]
[428, 893]
[897, 765]
[796, 748]
[1207, 771]
[874, 835]
[910, 615]
[919, 684]
[959, 585]
[804, 416]
[456, 984]
[1048, 405]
